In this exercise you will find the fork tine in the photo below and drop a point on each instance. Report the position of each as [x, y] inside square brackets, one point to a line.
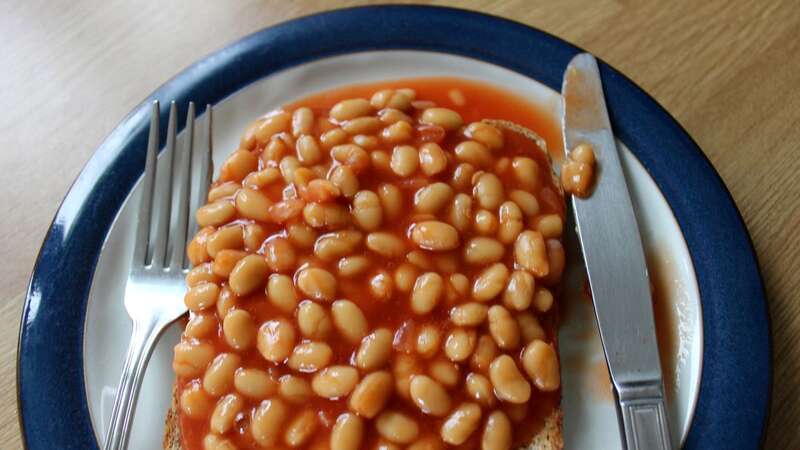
[162, 200]
[183, 182]
[200, 194]
[148, 180]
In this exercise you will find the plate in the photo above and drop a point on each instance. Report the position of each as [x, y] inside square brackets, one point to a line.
[74, 329]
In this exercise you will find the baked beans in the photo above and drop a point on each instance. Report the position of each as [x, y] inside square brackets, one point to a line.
[375, 270]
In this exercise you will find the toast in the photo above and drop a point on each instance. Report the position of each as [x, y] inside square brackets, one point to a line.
[541, 414]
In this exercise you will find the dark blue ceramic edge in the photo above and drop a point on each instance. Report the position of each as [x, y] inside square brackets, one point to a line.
[721, 249]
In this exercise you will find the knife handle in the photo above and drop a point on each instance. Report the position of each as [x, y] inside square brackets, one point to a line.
[644, 421]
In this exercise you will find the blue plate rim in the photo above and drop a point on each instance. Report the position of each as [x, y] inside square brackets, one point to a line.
[721, 248]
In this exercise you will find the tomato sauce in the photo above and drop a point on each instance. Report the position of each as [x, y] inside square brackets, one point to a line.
[481, 102]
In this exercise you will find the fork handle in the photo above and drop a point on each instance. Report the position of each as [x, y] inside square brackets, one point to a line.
[140, 347]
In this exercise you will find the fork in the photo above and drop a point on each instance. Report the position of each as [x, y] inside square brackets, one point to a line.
[155, 287]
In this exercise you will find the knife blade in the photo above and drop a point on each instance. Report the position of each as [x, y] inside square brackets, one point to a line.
[615, 263]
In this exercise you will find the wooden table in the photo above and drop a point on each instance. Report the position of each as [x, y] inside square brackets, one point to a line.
[728, 71]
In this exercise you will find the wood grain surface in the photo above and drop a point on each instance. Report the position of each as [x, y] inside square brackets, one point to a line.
[728, 71]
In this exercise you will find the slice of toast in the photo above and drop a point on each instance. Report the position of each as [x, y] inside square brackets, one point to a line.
[550, 437]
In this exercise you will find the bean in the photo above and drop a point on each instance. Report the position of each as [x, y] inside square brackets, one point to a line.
[254, 235]
[429, 339]
[262, 178]
[381, 286]
[274, 151]
[550, 225]
[345, 179]
[381, 161]
[520, 291]
[400, 99]
[479, 388]
[485, 352]
[295, 389]
[347, 433]
[542, 299]
[248, 275]
[319, 190]
[253, 204]
[350, 109]
[510, 222]
[228, 407]
[483, 250]
[540, 362]
[391, 115]
[432, 159]
[337, 244]
[427, 292]
[486, 134]
[460, 344]
[469, 314]
[435, 235]
[527, 173]
[225, 262]
[462, 177]
[238, 165]
[529, 327]
[334, 381]
[225, 238]
[332, 138]
[197, 251]
[391, 200]
[366, 142]
[397, 133]
[362, 125]
[301, 428]
[461, 423]
[371, 394]
[279, 254]
[397, 427]
[201, 297]
[459, 214]
[275, 122]
[460, 284]
[218, 379]
[488, 190]
[351, 155]
[352, 266]
[286, 210]
[530, 253]
[526, 202]
[288, 166]
[326, 215]
[318, 284]
[200, 326]
[267, 422]
[302, 121]
[191, 358]
[195, 403]
[375, 350]
[474, 153]
[497, 433]
[443, 117]
[239, 329]
[301, 235]
[445, 372]
[555, 260]
[248, 139]
[577, 178]
[509, 384]
[405, 160]
[429, 396]
[275, 340]
[432, 198]
[281, 293]
[254, 383]
[349, 320]
[490, 282]
[485, 223]
[405, 275]
[420, 259]
[214, 442]
[386, 244]
[313, 320]
[367, 211]
[226, 302]
[215, 214]
[503, 327]
[427, 442]
[310, 356]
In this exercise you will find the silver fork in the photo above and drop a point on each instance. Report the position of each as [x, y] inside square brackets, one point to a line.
[155, 287]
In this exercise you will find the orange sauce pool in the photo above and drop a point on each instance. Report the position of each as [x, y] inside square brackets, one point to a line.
[481, 102]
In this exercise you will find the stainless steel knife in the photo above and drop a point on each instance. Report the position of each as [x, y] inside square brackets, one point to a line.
[615, 262]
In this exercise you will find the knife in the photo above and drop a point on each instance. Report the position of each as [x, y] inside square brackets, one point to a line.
[615, 262]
